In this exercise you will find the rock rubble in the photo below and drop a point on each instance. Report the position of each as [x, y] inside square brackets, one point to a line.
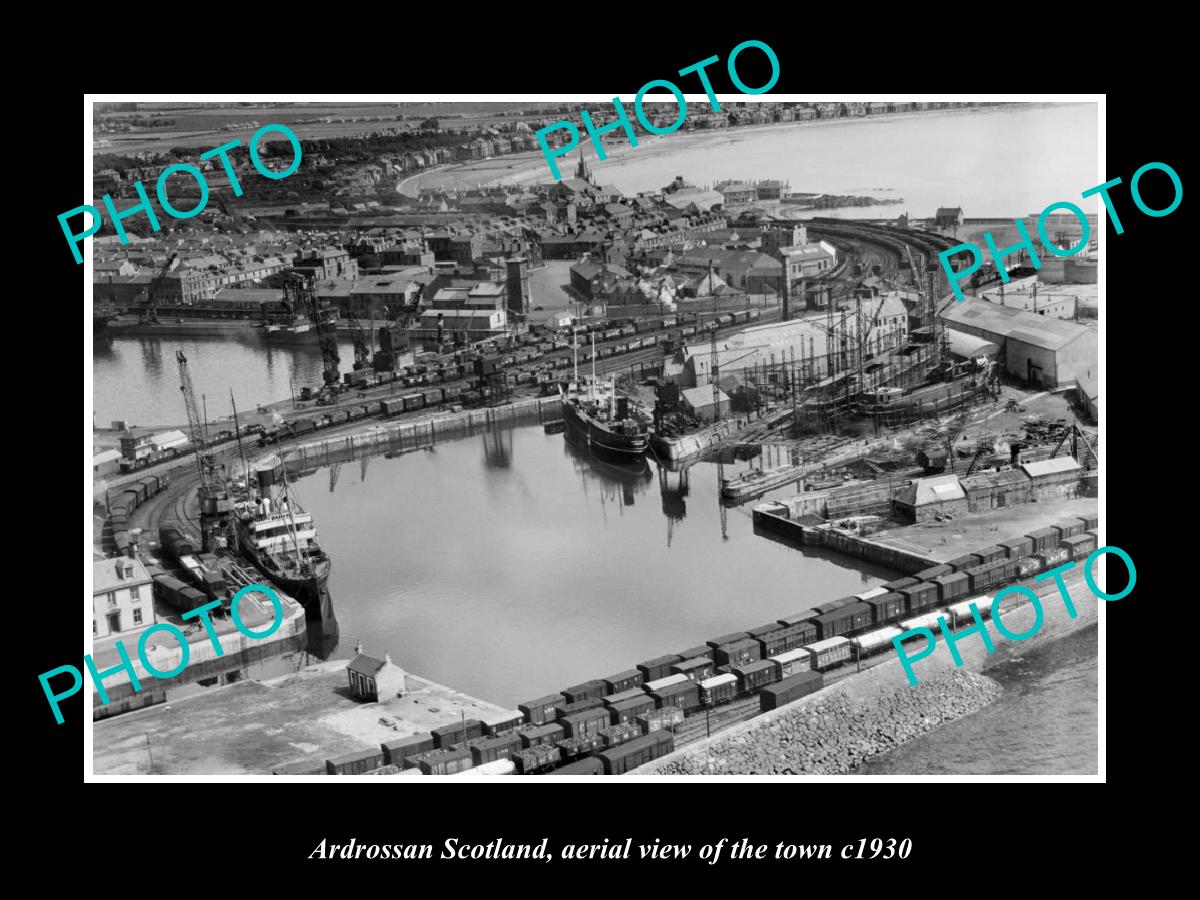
[831, 735]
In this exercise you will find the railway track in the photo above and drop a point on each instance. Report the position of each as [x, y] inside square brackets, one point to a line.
[695, 728]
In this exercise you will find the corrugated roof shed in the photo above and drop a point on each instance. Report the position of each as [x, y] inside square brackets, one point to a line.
[1004, 321]
[937, 489]
[1007, 478]
[969, 346]
[1050, 466]
[702, 397]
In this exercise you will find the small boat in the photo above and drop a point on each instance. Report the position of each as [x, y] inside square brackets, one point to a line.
[299, 330]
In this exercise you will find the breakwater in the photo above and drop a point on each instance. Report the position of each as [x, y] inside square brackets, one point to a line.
[832, 735]
[850, 721]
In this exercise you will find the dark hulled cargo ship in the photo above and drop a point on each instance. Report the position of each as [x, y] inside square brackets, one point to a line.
[597, 418]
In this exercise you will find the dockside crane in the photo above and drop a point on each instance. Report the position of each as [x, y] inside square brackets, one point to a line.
[301, 294]
[149, 302]
[215, 503]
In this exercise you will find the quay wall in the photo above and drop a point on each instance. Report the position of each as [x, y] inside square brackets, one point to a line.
[772, 518]
[203, 662]
[413, 435]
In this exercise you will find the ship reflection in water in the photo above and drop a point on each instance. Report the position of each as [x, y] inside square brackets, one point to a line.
[628, 476]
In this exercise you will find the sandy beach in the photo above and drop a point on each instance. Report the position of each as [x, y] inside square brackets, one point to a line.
[530, 167]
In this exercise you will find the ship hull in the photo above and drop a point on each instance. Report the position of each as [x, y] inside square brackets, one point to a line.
[313, 594]
[601, 440]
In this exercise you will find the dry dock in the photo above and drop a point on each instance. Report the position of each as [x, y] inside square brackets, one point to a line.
[252, 727]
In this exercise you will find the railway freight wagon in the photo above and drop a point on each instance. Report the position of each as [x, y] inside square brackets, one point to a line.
[585, 724]
[792, 662]
[629, 707]
[536, 758]
[540, 711]
[991, 574]
[589, 765]
[828, 653]
[784, 692]
[701, 650]
[588, 690]
[851, 617]
[400, 752]
[622, 681]
[695, 669]
[1078, 546]
[354, 763]
[491, 749]
[683, 696]
[919, 597]
[539, 735]
[952, 587]
[448, 761]
[719, 689]
[755, 675]
[456, 733]
[656, 668]
[564, 709]
[169, 590]
[637, 752]
[788, 637]
[737, 652]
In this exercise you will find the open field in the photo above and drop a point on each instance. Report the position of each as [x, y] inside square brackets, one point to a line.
[198, 126]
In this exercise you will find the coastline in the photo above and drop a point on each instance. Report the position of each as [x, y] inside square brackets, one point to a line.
[875, 719]
[530, 165]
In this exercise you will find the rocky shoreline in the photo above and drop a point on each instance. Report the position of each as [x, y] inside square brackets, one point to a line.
[835, 735]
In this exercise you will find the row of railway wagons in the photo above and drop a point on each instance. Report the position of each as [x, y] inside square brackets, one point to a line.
[611, 725]
[124, 500]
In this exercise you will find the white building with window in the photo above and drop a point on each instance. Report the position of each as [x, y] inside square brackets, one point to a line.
[122, 597]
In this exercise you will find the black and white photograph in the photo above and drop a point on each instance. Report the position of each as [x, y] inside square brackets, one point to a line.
[687, 437]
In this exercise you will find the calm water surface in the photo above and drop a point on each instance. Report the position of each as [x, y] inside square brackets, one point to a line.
[511, 564]
[991, 163]
[1045, 723]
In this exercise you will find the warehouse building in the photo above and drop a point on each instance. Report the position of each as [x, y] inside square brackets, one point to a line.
[1041, 351]
[930, 499]
[1087, 392]
[701, 404]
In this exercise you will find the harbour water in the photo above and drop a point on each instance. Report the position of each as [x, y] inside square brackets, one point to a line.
[991, 162]
[136, 378]
[512, 564]
[1044, 724]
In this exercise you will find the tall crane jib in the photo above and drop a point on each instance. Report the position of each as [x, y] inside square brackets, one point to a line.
[301, 292]
[215, 502]
[150, 293]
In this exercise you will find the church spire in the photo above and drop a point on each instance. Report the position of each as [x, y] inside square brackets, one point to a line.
[581, 171]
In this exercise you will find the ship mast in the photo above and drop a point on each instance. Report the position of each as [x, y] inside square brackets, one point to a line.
[592, 382]
[237, 429]
[287, 499]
